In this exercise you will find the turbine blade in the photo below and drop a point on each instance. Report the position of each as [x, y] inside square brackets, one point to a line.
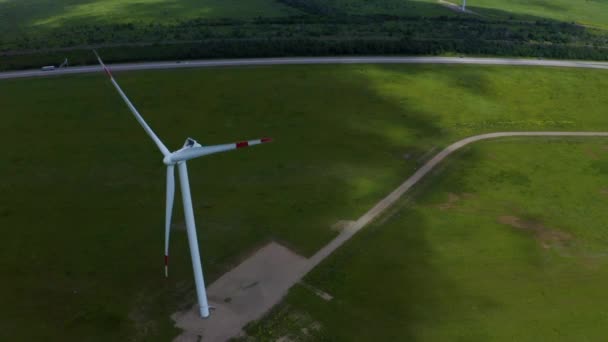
[168, 212]
[195, 152]
[138, 116]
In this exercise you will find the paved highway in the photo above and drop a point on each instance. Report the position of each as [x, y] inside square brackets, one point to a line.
[307, 60]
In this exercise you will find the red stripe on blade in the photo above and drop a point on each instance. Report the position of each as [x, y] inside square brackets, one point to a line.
[265, 140]
[242, 144]
[166, 260]
[107, 72]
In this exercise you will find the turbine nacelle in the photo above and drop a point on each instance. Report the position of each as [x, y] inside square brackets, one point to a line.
[191, 143]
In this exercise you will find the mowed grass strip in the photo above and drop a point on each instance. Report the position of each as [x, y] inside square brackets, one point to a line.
[505, 242]
[82, 205]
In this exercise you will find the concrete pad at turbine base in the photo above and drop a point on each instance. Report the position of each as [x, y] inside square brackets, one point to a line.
[243, 294]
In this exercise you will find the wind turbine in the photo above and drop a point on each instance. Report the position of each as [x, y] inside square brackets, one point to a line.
[464, 5]
[190, 150]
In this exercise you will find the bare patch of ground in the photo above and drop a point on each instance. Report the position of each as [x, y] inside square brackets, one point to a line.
[453, 200]
[604, 191]
[591, 263]
[492, 156]
[324, 295]
[301, 327]
[341, 225]
[546, 237]
[589, 152]
[312, 328]
[243, 294]
[143, 325]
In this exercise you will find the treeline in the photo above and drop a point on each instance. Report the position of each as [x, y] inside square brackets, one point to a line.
[310, 35]
[241, 48]
[438, 28]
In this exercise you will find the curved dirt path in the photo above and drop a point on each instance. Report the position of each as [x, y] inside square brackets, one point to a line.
[210, 63]
[394, 196]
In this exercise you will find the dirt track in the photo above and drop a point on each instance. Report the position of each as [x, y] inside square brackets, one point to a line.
[416, 177]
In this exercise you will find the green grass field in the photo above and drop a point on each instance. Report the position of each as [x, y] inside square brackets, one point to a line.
[82, 204]
[505, 242]
[593, 13]
[30, 15]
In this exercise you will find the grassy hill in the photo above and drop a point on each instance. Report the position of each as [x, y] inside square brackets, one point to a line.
[82, 205]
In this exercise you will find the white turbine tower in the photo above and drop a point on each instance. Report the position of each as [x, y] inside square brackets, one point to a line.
[464, 5]
[190, 150]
